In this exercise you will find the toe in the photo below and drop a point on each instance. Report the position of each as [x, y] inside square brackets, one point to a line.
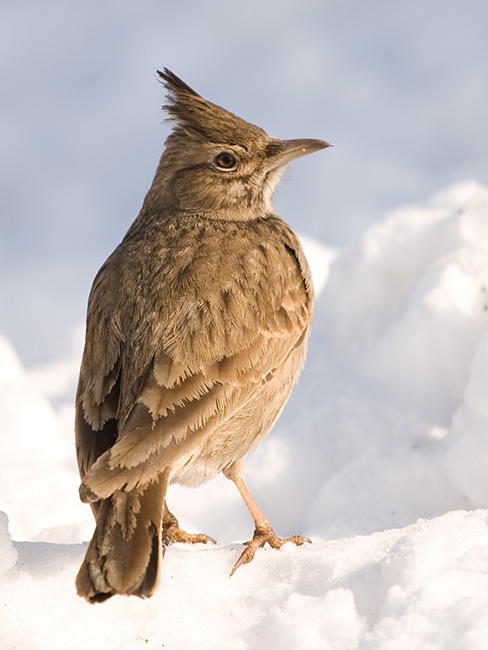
[246, 556]
[191, 538]
[263, 535]
[298, 540]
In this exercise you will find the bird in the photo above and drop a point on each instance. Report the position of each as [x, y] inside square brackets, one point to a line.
[196, 332]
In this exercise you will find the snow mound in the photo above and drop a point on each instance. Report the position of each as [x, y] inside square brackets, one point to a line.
[37, 467]
[467, 457]
[409, 303]
[8, 554]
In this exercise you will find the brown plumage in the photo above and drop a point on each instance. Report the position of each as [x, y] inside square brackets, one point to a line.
[196, 332]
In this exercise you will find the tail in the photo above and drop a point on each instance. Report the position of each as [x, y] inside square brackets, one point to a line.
[124, 555]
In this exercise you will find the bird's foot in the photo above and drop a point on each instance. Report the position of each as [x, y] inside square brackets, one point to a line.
[262, 535]
[191, 538]
[172, 533]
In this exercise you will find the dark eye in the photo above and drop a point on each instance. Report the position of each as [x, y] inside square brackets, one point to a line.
[225, 160]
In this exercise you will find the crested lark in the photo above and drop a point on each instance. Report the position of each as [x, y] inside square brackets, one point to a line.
[196, 332]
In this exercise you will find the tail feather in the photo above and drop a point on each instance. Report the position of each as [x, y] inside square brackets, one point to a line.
[124, 555]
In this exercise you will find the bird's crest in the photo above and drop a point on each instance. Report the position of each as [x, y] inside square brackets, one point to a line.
[197, 117]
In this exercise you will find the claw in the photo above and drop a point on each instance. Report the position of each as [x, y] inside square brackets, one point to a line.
[262, 535]
[244, 558]
[191, 538]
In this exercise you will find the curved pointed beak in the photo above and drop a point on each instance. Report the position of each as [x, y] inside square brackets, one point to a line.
[284, 151]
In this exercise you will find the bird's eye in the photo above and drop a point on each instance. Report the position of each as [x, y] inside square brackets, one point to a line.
[225, 160]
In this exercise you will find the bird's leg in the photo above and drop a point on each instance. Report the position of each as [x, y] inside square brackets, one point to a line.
[172, 532]
[263, 532]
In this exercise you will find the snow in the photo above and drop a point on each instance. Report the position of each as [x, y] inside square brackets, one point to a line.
[422, 586]
[381, 458]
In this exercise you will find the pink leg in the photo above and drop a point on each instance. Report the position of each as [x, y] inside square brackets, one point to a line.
[263, 532]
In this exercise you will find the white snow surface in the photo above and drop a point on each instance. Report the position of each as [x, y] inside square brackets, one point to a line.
[381, 457]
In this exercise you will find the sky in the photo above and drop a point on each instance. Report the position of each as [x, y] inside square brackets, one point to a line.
[399, 89]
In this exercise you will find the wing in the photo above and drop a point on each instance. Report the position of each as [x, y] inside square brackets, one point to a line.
[205, 361]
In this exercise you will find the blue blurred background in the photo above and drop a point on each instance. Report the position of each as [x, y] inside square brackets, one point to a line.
[399, 88]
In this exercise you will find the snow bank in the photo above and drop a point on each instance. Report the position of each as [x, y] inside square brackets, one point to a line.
[398, 416]
[424, 586]
[409, 302]
[37, 467]
[8, 554]
[380, 456]
[467, 458]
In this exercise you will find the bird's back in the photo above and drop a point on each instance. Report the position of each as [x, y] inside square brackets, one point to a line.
[207, 312]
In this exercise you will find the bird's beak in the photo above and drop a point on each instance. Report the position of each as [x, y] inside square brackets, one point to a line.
[288, 150]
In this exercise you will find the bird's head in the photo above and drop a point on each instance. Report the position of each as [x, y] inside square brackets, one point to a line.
[217, 163]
